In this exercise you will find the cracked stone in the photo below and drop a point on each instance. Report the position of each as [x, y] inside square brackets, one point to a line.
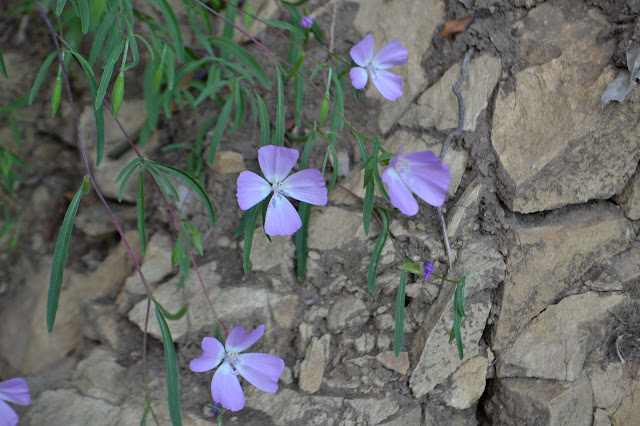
[313, 364]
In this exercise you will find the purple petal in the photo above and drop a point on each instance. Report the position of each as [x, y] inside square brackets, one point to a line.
[282, 218]
[16, 391]
[8, 417]
[226, 389]
[251, 190]
[428, 269]
[391, 55]
[261, 370]
[426, 176]
[389, 84]
[238, 340]
[306, 185]
[306, 21]
[212, 356]
[362, 53]
[359, 77]
[277, 161]
[400, 195]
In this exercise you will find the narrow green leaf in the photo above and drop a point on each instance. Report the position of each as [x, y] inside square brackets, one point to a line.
[368, 206]
[397, 341]
[377, 251]
[301, 240]
[107, 23]
[124, 176]
[55, 96]
[265, 126]
[315, 29]
[106, 74]
[334, 174]
[195, 237]
[60, 257]
[85, 17]
[171, 365]
[221, 125]
[41, 73]
[307, 148]
[140, 207]
[238, 101]
[279, 136]
[295, 32]
[247, 15]
[168, 315]
[3, 67]
[244, 57]
[194, 185]
[324, 109]
[60, 6]
[250, 227]
[174, 28]
[298, 98]
[211, 90]
[295, 69]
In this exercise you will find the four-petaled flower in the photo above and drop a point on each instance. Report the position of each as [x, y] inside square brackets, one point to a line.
[16, 391]
[419, 172]
[261, 370]
[306, 185]
[389, 84]
[306, 21]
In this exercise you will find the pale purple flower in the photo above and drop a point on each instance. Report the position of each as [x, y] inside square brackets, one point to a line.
[306, 185]
[419, 172]
[261, 370]
[388, 83]
[306, 21]
[16, 391]
[428, 270]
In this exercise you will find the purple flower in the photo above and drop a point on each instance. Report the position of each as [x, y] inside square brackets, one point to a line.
[306, 185]
[428, 270]
[306, 21]
[389, 84]
[261, 370]
[16, 391]
[419, 172]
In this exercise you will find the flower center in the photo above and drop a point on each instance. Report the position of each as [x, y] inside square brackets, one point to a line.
[373, 70]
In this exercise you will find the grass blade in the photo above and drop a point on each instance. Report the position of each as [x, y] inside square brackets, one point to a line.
[3, 67]
[171, 364]
[141, 213]
[106, 74]
[397, 340]
[377, 251]
[249, 230]
[301, 240]
[174, 28]
[40, 76]
[243, 57]
[60, 256]
[279, 136]
[221, 125]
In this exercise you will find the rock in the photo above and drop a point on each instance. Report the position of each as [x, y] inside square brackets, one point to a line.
[389, 360]
[332, 227]
[132, 115]
[156, 264]
[467, 384]
[348, 311]
[548, 131]
[438, 105]
[95, 222]
[266, 255]
[103, 323]
[285, 309]
[481, 258]
[559, 250]
[554, 345]
[365, 343]
[21, 72]
[289, 407]
[312, 367]
[534, 401]
[456, 158]
[67, 407]
[343, 162]
[233, 304]
[372, 411]
[408, 415]
[101, 377]
[462, 218]
[228, 162]
[354, 182]
[615, 392]
[265, 9]
[381, 18]
[439, 358]
[629, 198]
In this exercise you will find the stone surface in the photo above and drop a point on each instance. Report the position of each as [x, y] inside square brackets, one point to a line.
[555, 344]
[266, 255]
[439, 358]
[482, 259]
[95, 222]
[101, 377]
[348, 311]
[461, 219]
[380, 17]
[331, 227]
[132, 115]
[67, 407]
[438, 105]
[616, 392]
[235, 304]
[456, 158]
[313, 364]
[548, 131]
[228, 162]
[534, 401]
[629, 198]
[559, 249]
[467, 383]
[398, 364]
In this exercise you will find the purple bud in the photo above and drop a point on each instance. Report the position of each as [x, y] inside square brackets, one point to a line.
[306, 21]
[428, 269]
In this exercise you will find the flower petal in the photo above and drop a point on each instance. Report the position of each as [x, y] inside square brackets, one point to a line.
[16, 391]
[391, 55]
[226, 389]
[359, 77]
[400, 195]
[212, 356]
[277, 161]
[306, 185]
[426, 176]
[362, 53]
[251, 190]
[388, 83]
[238, 340]
[282, 218]
[261, 370]
[8, 417]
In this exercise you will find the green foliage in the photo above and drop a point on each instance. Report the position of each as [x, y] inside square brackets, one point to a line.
[171, 366]
[458, 314]
[399, 323]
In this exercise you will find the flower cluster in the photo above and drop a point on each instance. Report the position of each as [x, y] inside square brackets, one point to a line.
[306, 21]
[261, 370]
[16, 391]
[306, 185]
